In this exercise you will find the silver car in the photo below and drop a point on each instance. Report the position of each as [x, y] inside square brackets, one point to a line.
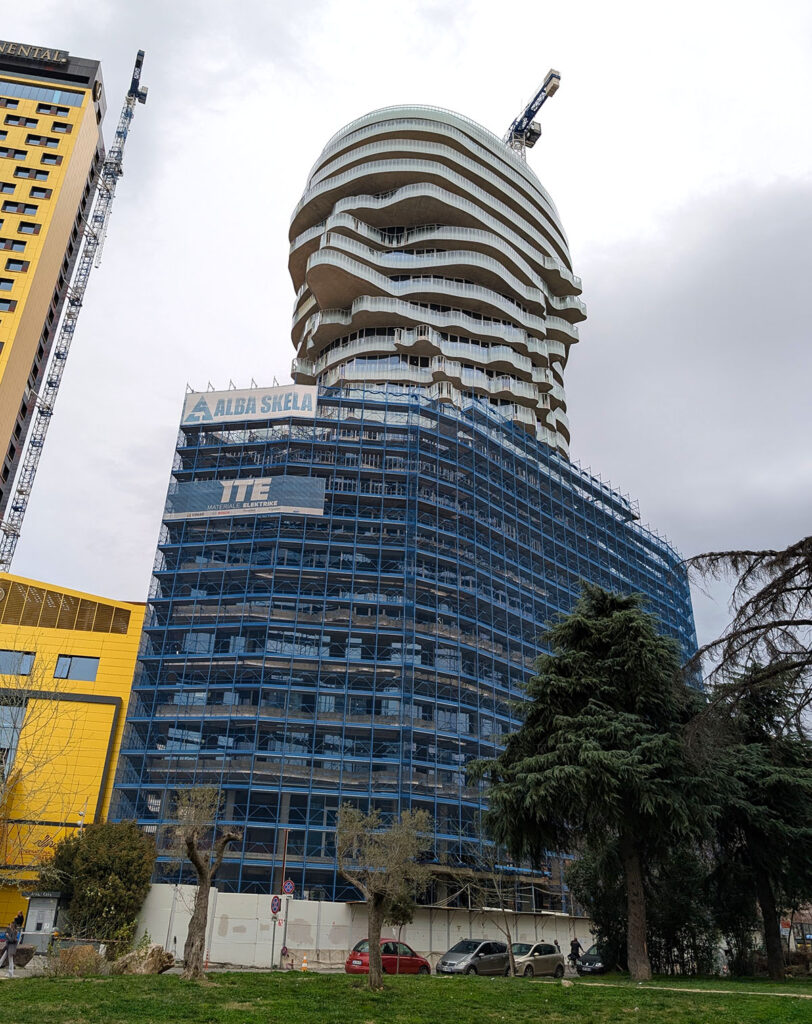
[475, 956]
[538, 958]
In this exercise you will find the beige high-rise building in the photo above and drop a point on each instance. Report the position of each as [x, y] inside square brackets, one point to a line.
[51, 149]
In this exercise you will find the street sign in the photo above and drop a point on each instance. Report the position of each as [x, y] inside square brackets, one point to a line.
[288, 887]
[276, 905]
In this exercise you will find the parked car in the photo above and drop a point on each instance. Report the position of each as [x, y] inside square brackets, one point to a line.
[590, 962]
[538, 958]
[475, 956]
[397, 958]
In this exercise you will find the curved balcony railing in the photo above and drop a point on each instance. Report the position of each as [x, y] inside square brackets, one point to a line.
[420, 113]
[468, 258]
[519, 201]
[443, 288]
[430, 169]
[505, 241]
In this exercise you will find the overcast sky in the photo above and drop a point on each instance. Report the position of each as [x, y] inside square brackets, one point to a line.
[678, 151]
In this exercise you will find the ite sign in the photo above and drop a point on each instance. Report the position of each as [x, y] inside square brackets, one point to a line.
[250, 404]
[33, 52]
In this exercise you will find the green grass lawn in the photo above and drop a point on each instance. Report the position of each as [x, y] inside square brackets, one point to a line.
[296, 998]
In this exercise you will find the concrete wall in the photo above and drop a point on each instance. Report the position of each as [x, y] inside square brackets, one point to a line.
[242, 931]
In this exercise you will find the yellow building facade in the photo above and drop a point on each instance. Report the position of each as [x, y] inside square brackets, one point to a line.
[66, 667]
[51, 149]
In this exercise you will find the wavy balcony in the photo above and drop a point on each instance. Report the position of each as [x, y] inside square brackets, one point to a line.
[425, 254]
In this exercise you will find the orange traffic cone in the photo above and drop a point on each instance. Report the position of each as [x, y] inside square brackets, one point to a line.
[304, 963]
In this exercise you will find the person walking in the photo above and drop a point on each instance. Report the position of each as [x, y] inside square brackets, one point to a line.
[12, 941]
[575, 950]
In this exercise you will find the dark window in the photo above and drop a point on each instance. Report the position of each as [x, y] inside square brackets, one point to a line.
[5, 102]
[69, 666]
[38, 192]
[41, 140]
[7, 187]
[27, 228]
[50, 158]
[6, 284]
[18, 121]
[18, 266]
[31, 172]
[13, 154]
[13, 244]
[47, 108]
[8, 305]
[27, 208]
[16, 663]
[62, 127]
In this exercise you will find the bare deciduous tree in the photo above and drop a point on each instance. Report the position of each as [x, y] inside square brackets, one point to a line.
[194, 836]
[384, 865]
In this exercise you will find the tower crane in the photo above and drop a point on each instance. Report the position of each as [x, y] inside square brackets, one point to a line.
[524, 133]
[89, 256]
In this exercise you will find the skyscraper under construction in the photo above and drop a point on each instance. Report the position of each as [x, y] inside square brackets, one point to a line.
[355, 572]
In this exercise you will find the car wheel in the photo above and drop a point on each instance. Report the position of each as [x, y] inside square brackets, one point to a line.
[559, 971]
[528, 971]
[471, 970]
[422, 969]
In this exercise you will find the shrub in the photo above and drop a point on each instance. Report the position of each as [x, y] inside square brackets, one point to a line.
[77, 962]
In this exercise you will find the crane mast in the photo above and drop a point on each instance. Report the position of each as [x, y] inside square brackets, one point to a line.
[524, 133]
[89, 256]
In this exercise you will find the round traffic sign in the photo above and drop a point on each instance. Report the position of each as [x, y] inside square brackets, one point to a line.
[276, 904]
[288, 887]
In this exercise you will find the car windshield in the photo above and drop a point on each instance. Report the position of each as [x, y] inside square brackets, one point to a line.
[521, 948]
[592, 951]
[361, 947]
[466, 946]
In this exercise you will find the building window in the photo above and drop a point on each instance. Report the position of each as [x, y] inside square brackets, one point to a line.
[38, 192]
[47, 108]
[7, 187]
[62, 127]
[16, 663]
[17, 266]
[20, 122]
[6, 284]
[13, 244]
[27, 228]
[70, 666]
[11, 721]
[31, 172]
[8, 305]
[50, 158]
[41, 140]
[10, 104]
[13, 154]
[27, 208]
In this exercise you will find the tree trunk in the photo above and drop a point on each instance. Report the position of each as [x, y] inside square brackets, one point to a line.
[195, 948]
[375, 908]
[639, 964]
[772, 928]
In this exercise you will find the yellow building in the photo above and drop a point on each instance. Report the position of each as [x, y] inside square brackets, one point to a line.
[66, 667]
[51, 149]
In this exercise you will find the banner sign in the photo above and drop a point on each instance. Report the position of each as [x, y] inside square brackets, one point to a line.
[251, 404]
[202, 499]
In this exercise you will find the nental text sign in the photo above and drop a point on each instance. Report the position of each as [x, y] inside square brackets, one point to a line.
[8, 49]
[251, 404]
[202, 499]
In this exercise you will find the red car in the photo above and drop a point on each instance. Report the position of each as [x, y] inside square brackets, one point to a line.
[397, 957]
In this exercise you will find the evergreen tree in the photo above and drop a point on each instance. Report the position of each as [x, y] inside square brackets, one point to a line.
[600, 752]
[765, 829]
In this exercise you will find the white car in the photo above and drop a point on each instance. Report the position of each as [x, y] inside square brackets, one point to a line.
[538, 958]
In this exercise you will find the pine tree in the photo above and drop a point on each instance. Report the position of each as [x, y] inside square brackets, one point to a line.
[600, 751]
